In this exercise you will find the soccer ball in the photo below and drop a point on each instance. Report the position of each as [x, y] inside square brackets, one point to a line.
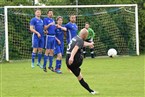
[112, 52]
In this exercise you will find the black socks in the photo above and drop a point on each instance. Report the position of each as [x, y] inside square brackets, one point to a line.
[92, 52]
[85, 85]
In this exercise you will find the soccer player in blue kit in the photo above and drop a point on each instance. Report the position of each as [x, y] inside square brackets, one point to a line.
[36, 26]
[49, 25]
[59, 49]
[72, 28]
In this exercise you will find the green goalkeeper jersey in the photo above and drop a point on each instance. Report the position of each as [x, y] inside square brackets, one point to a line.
[91, 34]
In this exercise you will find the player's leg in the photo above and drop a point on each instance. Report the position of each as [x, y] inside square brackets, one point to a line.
[33, 57]
[39, 57]
[92, 52]
[62, 52]
[58, 59]
[84, 52]
[84, 84]
[51, 60]
[46, 54]
[45, 59]
[35, 46]
[51, 54]
[74, 67]
[40, 49]
[77, 73]
[58, 63]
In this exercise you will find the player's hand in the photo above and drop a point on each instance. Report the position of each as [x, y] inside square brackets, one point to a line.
[51, 24]
[92, 42]
[58, 26]
[38, 35]
[91, 45]
[45, 32]
[70, 61]
[59, 42]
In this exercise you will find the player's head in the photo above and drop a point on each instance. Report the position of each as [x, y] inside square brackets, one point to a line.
[72, 18]
[87, 25]
[59, 20]
[37, 12]
[83, 33]
[50, 13]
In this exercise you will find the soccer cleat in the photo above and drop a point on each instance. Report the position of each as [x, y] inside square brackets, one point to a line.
[38, 64]
[92, 56]
[94, 92]
[44, 69]
[51, 68]
[58, 71]
[32, 65]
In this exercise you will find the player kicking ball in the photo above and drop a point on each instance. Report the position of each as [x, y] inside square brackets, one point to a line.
[36, 26]
[74, 57]
[59, 49]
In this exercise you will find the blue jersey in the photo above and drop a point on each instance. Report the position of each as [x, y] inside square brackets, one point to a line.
[51, 29]
[72, 29]
[38, 25]
[60, 35]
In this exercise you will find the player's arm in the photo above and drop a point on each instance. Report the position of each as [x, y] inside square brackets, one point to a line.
[68, 26]
[93, 34]
[65, 32]
[61, 27]
[88, 44]
[34, 31]
[47, 26]
[58, 40]
[74, 51]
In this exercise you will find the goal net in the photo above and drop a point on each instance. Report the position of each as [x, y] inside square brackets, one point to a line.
[2, 35]
[115, 26]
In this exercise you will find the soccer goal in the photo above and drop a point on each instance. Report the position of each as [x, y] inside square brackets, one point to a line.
[115, 26]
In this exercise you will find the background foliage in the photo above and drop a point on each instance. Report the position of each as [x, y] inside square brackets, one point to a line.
[141, 4]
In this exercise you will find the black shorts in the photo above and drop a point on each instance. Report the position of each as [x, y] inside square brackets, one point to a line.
[75, 66]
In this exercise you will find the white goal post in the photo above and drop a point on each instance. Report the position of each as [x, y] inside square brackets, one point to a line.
[71, 6]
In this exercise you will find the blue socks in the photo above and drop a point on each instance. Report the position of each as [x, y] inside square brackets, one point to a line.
[45, 61]
[58, 64]
[50, 61]
[39, 57]
[33, 57]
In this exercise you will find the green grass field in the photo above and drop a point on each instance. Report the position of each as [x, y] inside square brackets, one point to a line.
[112, 77]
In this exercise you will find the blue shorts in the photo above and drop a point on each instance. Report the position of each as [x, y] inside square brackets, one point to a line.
[37, 42]
[59, 49]
[50, 42]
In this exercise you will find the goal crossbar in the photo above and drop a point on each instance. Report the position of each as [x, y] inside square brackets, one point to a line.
[72, 6]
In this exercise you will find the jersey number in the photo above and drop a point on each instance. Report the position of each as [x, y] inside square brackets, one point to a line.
[69, 45]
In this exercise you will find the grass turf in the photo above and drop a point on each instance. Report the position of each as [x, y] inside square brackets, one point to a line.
[112, 77]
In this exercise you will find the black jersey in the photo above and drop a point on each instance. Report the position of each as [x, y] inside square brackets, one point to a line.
[75, 41]
[78, 59]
